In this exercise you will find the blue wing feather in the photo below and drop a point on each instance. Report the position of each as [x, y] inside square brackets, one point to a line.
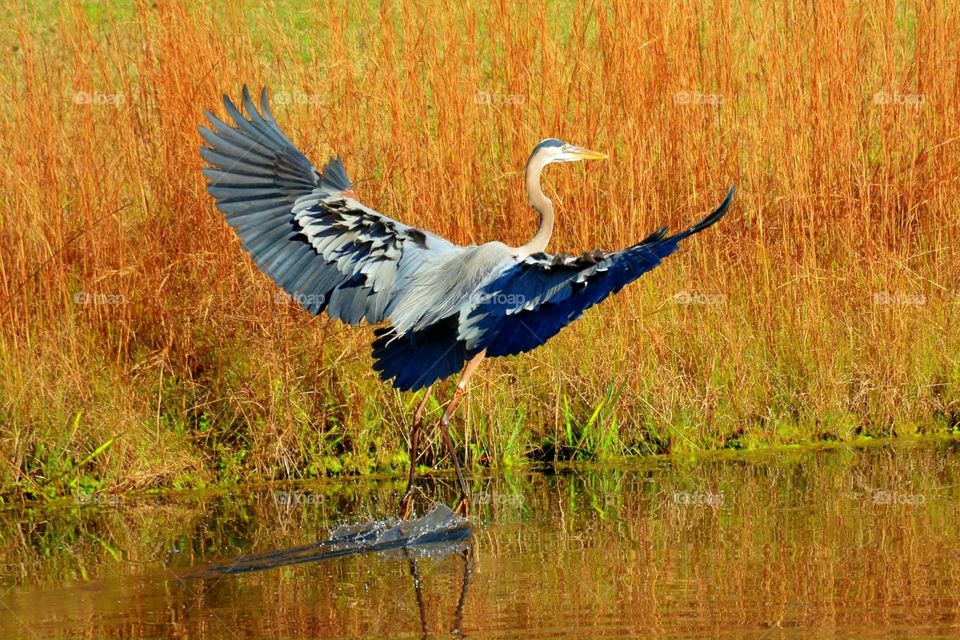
[557, 299]
[417, 359]
[532, 301]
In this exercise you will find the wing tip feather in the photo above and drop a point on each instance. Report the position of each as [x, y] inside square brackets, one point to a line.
[716, 214]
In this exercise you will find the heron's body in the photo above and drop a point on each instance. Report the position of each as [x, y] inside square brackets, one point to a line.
[442, 306]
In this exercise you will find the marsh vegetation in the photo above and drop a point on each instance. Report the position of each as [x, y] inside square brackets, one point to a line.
[140, 348]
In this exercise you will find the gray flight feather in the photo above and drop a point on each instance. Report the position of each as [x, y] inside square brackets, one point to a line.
[306, 230]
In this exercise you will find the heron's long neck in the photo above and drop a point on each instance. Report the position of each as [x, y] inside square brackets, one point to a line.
[542, 205]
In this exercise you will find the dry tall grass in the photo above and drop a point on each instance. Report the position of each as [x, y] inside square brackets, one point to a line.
[140, 347]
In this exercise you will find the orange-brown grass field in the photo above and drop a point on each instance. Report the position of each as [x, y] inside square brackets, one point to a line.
[141, 348]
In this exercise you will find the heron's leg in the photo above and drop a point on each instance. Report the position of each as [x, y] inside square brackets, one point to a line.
[406, 506]
[463, 506]
[417, 586]
[467, 574]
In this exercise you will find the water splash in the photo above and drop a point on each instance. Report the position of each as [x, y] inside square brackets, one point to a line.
[439, 533]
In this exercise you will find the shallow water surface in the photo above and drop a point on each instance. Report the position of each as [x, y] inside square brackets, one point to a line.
[831, 543]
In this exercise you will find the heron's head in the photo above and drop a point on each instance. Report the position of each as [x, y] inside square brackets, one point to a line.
[552, 150]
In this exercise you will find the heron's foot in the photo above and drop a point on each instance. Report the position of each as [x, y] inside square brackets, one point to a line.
[406, 506]
[463, 507]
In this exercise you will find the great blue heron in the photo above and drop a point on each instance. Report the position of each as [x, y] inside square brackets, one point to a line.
[446, 306]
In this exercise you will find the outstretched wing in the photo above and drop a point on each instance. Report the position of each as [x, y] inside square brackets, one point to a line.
[305, 229]
[529, 303]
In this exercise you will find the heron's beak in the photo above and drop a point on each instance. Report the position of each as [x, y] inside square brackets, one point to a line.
[573, 154]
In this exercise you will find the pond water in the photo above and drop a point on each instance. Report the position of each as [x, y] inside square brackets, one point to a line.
[857, 543]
